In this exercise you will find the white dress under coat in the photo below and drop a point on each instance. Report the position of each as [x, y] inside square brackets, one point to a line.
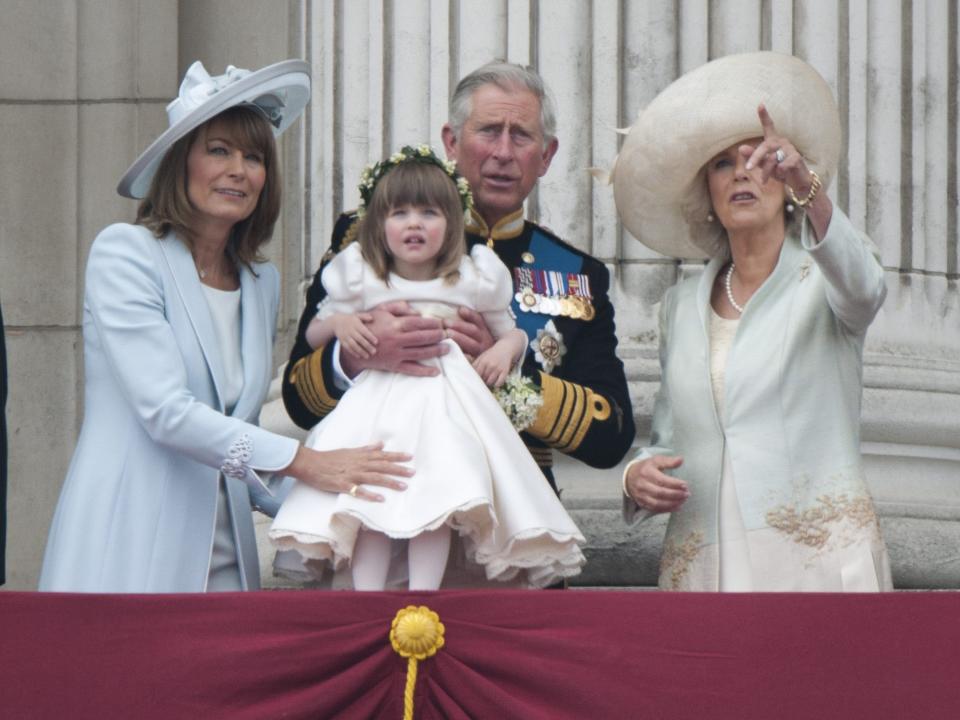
[473, 473]
[137, 510]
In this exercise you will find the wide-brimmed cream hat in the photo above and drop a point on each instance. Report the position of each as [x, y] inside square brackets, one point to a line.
[279, 91]
[658, 183]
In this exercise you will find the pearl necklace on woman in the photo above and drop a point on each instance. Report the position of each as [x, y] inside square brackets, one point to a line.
[726, 283]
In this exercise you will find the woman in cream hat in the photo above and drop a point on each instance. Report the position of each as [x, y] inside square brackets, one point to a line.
[755, 447]
[178, 325]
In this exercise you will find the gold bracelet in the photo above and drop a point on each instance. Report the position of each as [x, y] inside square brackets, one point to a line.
[815, 186]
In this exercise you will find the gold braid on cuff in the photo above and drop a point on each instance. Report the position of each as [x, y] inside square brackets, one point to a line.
[307, 377]
[567, 413]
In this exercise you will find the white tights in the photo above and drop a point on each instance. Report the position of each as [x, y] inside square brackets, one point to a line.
[426, 559]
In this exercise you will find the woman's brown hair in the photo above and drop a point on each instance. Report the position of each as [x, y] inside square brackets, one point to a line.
[420, 184]
[166, 206]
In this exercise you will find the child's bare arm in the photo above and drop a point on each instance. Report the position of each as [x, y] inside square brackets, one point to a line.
[319, 332]
[350, 330]
[494, 364]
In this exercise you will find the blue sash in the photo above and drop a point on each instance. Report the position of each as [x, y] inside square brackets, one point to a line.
[548, 255]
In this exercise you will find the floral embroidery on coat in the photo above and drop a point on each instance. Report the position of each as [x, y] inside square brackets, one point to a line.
[821, 526]
[238, 455]
[677, 558]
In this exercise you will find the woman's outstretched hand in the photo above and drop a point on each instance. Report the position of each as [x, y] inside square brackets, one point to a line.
[790, 168]
[654, 490]
[351, 469]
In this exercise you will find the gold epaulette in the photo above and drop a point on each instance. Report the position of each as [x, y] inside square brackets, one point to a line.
[567, 412]
[307, 377]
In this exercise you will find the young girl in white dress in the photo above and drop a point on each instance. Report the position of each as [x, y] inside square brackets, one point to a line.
[473, 474]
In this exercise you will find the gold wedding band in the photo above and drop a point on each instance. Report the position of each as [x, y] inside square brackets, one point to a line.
[353, 490]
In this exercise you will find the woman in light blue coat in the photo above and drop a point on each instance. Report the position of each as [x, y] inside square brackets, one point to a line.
[178, 327]
[755, 446]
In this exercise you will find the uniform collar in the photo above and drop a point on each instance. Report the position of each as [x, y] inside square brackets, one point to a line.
[507, 228]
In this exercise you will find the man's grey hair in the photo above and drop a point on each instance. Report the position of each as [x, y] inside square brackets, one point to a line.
[507, 76]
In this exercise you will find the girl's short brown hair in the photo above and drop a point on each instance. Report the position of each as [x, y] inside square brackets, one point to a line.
[420, 184]
[166, 206]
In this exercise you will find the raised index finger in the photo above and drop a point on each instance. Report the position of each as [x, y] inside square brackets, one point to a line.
[766, 122]
[770, 141]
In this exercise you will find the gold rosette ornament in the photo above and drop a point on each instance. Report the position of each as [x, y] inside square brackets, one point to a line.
[416, 633]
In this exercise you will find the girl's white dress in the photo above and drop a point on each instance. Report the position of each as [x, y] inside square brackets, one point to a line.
[473, 472]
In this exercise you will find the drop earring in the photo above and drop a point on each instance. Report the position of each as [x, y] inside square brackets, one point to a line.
[710, 217]
[789, 208]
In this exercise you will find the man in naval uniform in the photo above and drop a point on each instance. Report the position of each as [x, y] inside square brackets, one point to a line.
[501, 134]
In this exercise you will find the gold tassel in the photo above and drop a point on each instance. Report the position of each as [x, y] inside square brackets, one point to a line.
[416, 633]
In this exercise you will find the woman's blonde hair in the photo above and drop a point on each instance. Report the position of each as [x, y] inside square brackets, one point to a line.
[167, 207]
[419, 184]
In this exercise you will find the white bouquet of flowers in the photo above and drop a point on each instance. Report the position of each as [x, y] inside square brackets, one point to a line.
[520, 399]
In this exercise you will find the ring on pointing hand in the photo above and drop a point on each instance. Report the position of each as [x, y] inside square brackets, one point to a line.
[353, 490]
[780, 155]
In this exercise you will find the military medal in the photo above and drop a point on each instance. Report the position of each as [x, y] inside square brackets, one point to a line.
[527, 299]
[548, 347]
[580, 293]
[551, 292]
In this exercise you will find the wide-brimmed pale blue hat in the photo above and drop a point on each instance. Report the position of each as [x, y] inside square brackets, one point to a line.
[279, 92]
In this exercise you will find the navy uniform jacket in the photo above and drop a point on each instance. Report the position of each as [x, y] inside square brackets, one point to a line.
[586, 411]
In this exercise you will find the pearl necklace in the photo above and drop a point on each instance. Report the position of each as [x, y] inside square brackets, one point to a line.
[726, 283]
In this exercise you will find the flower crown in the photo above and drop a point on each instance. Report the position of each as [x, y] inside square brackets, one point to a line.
[421, 153]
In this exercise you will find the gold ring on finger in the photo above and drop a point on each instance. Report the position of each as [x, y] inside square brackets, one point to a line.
[353, 490]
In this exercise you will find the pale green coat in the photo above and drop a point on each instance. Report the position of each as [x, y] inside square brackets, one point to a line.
[791, 420]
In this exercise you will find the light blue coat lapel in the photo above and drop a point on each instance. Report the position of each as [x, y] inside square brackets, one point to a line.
[184, 273]
[254, 343]
[255, 350]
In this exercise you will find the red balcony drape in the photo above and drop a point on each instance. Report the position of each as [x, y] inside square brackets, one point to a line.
[507, 654]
